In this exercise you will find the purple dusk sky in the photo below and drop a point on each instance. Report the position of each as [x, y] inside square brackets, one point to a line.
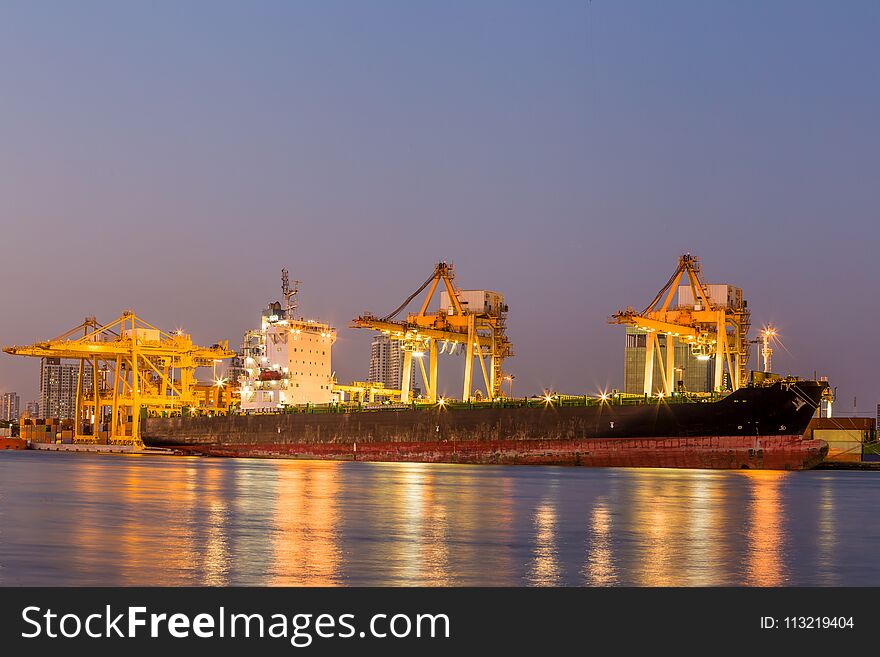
[173, 157]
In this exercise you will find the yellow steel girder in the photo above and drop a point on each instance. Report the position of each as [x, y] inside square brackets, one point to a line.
[143, 360]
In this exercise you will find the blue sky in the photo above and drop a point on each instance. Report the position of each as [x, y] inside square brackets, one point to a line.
[172, 157]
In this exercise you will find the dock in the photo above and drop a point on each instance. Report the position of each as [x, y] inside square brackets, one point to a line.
[846, 465]
[99, 449]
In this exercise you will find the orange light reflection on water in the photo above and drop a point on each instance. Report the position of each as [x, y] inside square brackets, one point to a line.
[305, 526]
[765, 565]
[600, 569]
[181, 522]
[545, 569]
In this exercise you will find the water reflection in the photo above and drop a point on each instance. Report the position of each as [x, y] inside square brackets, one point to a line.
[706, 523]
[545, 565]
[765, 565]
[434, 530]
[91, 520]
[657, 518]
[826, 534]
[305, 532]
[215, 560]
[600, 569]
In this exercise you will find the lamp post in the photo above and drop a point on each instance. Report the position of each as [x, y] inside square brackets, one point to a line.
[680, 379]
[509, 378]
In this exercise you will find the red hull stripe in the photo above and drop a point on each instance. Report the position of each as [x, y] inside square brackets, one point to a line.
[787, 452]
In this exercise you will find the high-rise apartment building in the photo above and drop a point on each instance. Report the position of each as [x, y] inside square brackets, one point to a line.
[32, 408]
[386, 363]
[58, 381]
[9, 410]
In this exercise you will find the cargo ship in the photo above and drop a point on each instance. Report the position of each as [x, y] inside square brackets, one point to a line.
[758, 426]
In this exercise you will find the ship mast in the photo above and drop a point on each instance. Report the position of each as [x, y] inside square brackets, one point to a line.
[289, 294]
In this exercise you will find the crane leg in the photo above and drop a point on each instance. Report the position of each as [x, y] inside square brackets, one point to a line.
[432, 385]
[424, 376]
[670, 364]
[719, 355]
[468, 360]
[479, 350]
[78, 414]
[494, 383]
[406, 378]
[649, 363]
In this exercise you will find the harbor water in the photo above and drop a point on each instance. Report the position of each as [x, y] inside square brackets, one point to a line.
[91, 519]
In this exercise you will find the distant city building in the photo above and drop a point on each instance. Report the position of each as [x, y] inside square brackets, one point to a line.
[58, 382]
[32, 408]
[386, 364]
[9, 410]
[236, 372]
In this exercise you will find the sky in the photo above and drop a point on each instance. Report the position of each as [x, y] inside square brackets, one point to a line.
[172, 157]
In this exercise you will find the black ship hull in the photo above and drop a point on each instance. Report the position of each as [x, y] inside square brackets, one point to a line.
[754, 427]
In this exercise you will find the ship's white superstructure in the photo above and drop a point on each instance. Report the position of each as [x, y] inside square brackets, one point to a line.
[287, 361]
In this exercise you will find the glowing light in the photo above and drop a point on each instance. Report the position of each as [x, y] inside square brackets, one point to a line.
[441, 402]
[548, 398]
[603, 396]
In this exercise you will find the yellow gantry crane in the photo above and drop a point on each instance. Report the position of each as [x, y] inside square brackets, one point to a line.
[365, 392]
[136, 368]
[480, 332]
[712, 329]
